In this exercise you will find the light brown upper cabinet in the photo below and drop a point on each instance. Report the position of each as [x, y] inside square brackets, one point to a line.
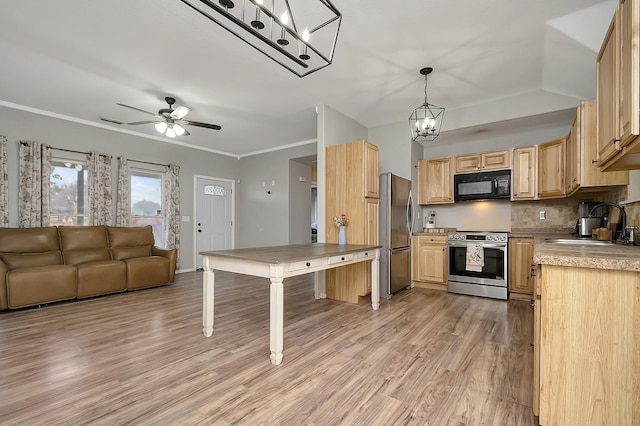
[618, 91]
[494, 160]
[435, 181]
[582, 153]
[524, 173]
[551, 169]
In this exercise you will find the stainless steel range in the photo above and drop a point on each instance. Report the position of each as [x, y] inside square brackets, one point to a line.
[478, 263]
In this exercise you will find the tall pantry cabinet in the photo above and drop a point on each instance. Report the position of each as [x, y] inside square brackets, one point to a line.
[352, 182]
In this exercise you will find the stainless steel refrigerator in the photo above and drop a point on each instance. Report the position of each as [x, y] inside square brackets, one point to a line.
[396, 222]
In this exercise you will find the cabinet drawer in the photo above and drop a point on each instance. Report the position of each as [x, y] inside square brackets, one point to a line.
[364, 255]
[305, 264]
[341, 258]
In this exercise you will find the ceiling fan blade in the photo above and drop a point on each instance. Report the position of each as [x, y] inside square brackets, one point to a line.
[143, 122]
[111, 120]
[186, 133]
[137, 109]
[180, 112]
[199, 124]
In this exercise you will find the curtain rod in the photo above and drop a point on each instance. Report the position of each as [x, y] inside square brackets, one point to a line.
[148, 162]
[70, 150]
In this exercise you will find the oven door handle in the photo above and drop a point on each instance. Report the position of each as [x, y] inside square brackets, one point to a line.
[484, 245]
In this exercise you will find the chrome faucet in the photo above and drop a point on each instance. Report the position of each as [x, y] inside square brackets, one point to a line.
[623, 233]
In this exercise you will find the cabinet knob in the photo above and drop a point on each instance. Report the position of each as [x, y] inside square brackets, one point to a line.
[594, 161]
[308, 263]
[342, 258]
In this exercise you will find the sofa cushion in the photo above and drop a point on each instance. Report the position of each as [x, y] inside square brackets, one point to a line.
[29, 240]
[42, 284]
[149, 271]
[82, 244]
[82, 237]
[122, 253]
[30, 260]
[130, 242]
[101, 277]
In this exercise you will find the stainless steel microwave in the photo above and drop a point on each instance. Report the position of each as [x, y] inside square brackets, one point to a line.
[482, 185]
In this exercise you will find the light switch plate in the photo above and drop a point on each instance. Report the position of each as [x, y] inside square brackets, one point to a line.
[543, 214]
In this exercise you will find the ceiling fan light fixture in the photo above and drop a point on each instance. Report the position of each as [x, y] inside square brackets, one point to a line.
[179, 130]
[264, 26]
[426, 121]
[161, 127]
[171, 132]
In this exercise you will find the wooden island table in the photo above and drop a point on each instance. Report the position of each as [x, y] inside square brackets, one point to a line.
[278, 263]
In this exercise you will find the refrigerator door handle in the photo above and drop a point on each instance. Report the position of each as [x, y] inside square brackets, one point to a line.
[410, 214]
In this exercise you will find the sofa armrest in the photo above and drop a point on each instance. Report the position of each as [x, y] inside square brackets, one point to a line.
[171, 254]
[3, 285]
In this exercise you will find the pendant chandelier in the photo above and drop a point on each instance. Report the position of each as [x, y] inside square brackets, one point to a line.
[300, 35]
[426, 120]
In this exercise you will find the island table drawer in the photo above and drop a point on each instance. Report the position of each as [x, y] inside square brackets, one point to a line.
[306, 264]
[341, 258]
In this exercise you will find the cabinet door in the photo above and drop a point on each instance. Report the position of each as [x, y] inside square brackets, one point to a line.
[524, 177]
[573, 154]
[520, 260]
[430, 260]
[436, 181]
[590, 174]
[372, 181]
[468, 163]
[629, 84]
[373, 220]
[606, 92]
[537, 305]
[551, 164]
[496, 160]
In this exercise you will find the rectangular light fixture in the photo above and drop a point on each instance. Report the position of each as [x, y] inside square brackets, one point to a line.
[300, 35]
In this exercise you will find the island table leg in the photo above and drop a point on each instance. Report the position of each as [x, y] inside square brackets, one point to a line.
[207, 300]
[375, 281]
[276, 319]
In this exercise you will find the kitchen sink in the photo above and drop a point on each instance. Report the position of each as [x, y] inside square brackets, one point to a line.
[578, 242]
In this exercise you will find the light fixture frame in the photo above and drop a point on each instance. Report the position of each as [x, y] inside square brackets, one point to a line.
[424, 112]
[297, 62]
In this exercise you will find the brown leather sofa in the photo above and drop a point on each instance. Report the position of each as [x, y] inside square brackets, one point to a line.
[44, 265]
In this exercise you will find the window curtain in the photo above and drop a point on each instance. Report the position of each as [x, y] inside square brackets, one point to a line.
[4, 184]
[100, 194]
[123, 204]
[171, 209]
[33, 192]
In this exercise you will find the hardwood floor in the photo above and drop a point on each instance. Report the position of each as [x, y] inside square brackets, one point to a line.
[426, 357]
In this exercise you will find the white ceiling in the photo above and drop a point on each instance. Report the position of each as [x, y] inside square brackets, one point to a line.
[493, 60]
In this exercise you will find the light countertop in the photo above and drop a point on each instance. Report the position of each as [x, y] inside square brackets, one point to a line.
[614, 256]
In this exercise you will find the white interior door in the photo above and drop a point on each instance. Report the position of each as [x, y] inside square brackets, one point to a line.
[214, 216]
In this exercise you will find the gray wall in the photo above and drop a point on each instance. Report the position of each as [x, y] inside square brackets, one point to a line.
[300, 204]
[19, 125]
[263, 211]
[394, 142]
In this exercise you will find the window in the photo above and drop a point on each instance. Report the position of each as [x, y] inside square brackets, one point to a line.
[146, 202]
[68, 193]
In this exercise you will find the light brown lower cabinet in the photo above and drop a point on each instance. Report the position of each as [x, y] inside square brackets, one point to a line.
[587, 346]
[520, 274]
[429, 259]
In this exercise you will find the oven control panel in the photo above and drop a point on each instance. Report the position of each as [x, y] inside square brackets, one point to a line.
[494, 237]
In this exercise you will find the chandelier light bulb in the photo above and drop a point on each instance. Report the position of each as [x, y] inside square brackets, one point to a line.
[305, 34]
[284, 18]
[260, 2]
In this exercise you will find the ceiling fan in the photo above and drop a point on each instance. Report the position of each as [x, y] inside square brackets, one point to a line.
[169, 121]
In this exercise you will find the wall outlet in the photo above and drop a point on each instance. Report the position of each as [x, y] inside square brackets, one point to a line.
[543, 214]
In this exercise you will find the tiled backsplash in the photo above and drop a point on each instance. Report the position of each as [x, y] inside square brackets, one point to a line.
[563, 213]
